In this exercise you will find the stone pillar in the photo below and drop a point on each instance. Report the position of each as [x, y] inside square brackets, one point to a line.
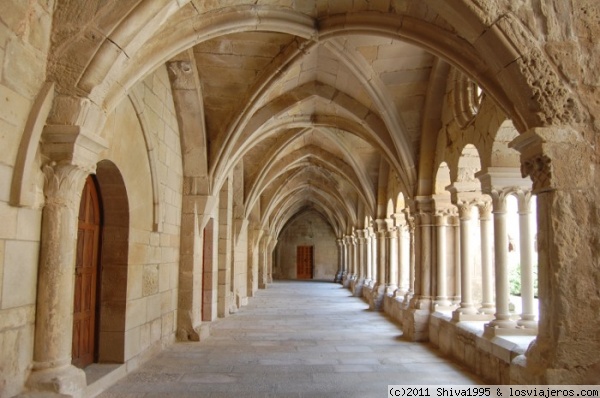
[416, 318]
[411, 259]
[467, 307]
[526, 253]
[403, 257]
[456, 234]
[272, 244]
[441, 225]
[347, 263]
[487, 293]
[374, 255]
[340, 273]
[369, 256]
[360, 261]
[392, 263]
[52, 370]
[560, 161]
[502, 317]
[379, 288]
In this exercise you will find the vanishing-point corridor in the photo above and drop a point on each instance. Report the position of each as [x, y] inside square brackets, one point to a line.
[294, 339]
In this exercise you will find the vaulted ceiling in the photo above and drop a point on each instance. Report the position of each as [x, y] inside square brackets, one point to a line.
[313, 122]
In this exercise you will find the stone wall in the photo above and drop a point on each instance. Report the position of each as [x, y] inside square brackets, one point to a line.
[24, 44]
[152, 275]
[309, 229]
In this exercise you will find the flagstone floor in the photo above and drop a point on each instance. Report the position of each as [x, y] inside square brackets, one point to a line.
[294, 339]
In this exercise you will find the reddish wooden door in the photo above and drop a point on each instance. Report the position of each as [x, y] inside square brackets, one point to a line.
[304, 262]
[86, 275]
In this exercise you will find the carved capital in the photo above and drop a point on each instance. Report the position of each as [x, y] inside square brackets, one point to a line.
[64, 184]
[485, 209]
[464, 209]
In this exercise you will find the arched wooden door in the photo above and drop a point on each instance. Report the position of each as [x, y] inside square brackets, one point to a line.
[86, 276]
[304, 262]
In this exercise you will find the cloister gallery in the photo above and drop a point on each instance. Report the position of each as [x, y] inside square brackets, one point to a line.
[162, 160]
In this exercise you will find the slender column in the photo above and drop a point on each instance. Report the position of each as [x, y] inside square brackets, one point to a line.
[52, 369]
[502, 317]
[359, 254]
[403, 259]
[369, 256]
[487, 294]
[425, 258]
[379, 288]
[353, 253]
[340, 272]
[411, 257]
[456, 232]
[441, 224]
[392, 263]
[466, 267]
[374, 256]
[526, 240]
[382, 249]
[348, 261]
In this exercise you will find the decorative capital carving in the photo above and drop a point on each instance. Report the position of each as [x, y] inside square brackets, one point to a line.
[485, 209]
[465, 208]
[64, 184]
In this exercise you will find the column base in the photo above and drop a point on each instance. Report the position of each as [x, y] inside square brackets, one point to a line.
[376, 299]
[443, 304]
[416, 324]
[338, 277]
[528, 324]
[66, 381]
[507, 329]
[390, 290]
[357, 287]
[470, 314]
[487, 309]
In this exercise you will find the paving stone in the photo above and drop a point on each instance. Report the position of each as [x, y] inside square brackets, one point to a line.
[294, 339]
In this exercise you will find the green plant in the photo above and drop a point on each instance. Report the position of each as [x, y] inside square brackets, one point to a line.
[514, 280]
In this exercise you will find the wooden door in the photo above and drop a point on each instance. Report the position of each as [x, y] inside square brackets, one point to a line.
[304, 262]
[86, 275]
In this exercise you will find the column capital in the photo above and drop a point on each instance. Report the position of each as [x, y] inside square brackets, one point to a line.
[64, 183]
[555, 157]
[485, 209]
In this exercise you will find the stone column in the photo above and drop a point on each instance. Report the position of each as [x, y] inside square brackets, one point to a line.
[467, 307]
[374, 255]
[392, 263]
[369, 256]
[487, 294]
[502, 317]
[379, 288]
[441, 224]
[456, 234]
[403, 257]
[526, 253]
[340, 273]
[360, 263]
[560, 161]
[52, 370]
[411, 257]
[348, 262]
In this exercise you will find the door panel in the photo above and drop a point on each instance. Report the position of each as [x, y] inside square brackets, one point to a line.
[86, 276]
[304, 262]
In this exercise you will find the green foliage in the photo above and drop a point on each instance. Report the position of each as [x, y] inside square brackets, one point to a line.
[514, 280]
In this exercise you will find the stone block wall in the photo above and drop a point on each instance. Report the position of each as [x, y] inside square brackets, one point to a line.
[152, 276]
[24, 43]
[309, 229]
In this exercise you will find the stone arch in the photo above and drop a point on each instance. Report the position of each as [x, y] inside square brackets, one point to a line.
[390, 208]
[114, 262]
[442, 179]
[469, 163]
[400, 202]
[138, 106]
[502, 155]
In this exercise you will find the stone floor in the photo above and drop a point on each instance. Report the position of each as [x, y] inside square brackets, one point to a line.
[294, 339]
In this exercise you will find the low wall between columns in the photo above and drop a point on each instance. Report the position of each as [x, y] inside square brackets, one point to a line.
[489, 358]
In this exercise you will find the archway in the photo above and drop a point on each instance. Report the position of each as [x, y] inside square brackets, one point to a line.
[114, 254]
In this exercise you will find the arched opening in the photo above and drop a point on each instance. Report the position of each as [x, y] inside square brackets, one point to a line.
[114, 256]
